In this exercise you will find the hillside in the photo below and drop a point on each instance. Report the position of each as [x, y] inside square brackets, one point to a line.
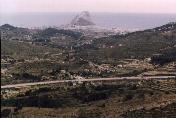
[88, 57]
[9, 32]
[140, 44]
[52, 32]
[116, 99]
[38, 55]
[24, 50]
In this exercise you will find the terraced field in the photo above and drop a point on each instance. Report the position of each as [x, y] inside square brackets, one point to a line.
[168, 111]
[110, 99]
[164, 85]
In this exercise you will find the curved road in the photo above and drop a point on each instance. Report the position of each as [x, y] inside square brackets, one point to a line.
[86, 80]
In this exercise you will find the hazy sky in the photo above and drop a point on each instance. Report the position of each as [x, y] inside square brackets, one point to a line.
[139, 6]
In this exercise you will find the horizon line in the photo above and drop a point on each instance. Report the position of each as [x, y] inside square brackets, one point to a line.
[3, 13]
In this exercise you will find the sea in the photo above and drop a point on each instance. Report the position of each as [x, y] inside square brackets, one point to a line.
[110, 20]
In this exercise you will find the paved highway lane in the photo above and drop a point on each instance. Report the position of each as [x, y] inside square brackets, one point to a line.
[86, 80]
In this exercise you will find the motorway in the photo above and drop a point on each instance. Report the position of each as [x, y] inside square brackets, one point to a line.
[85, 80]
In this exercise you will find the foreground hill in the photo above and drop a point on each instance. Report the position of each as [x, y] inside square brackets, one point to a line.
[115, 99]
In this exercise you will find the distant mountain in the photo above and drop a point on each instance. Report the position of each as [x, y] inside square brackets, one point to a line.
[82, 19]
[83, 23]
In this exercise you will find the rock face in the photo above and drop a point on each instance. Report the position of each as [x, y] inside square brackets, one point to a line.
[83, 19]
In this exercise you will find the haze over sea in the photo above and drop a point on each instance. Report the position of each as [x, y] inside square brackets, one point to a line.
[111, 20]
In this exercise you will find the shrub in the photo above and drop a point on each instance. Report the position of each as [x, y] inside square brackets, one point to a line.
[128, 97]
[5, 113]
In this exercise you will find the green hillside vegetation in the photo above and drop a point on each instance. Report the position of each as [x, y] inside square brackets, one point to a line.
[164, 58]
[139, 44]
[22, 50]
[166, 112]
[9, 32]
[30, 55]
[92, 100]
[45, 35]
